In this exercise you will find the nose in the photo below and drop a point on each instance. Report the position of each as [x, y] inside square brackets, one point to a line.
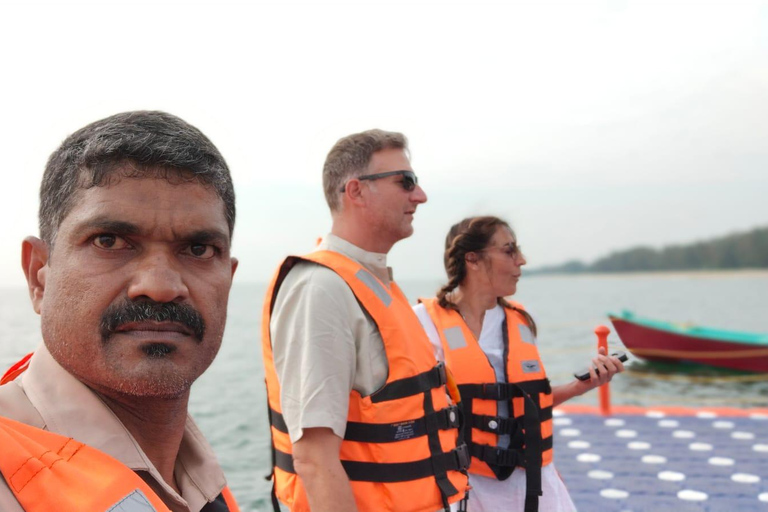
[156, 276]
[521, 259]
[418, 195]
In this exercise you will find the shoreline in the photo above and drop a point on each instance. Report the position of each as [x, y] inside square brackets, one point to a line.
[708, 273]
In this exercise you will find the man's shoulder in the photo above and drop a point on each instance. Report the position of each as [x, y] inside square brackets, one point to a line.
[311, 275]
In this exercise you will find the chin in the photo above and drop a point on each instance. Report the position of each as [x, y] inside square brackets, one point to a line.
[168, 386]
[155, 377]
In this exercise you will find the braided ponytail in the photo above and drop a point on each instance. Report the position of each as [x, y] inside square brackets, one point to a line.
[456, 268]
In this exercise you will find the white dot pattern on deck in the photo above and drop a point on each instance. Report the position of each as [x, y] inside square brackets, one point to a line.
[708, 462]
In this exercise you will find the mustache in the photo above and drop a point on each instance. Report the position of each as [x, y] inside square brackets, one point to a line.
[128, 311]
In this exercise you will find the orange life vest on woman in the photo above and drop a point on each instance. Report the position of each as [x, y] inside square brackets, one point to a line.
[526, 388]
[400, 446]
[47, 471]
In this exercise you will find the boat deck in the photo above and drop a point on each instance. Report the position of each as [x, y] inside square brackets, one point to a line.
[663, 459]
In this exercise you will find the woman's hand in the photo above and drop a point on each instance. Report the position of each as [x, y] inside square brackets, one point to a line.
[608, 366]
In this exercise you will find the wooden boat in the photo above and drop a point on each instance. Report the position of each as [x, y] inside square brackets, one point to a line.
[665, 341]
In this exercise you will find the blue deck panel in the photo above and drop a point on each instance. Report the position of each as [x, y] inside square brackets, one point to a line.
[659, 463]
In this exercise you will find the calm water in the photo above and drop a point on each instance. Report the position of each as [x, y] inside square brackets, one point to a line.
[229, 401]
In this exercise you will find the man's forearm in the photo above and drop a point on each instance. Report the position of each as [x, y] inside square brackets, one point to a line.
[316, 460]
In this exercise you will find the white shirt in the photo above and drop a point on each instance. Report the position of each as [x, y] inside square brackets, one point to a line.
[490, 494]
[324, 343]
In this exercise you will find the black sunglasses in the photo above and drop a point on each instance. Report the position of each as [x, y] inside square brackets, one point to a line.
[409, 179]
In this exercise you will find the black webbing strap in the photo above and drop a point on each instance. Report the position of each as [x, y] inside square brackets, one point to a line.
[411, 386]
[495, 424]
[274, 417]
[276, 420]
[504, 457]
[532, 451]
[498, 456]
[275, 501]
[455, 460]
[443, 419]
[504, 426]
[504, 391]
[441, 475]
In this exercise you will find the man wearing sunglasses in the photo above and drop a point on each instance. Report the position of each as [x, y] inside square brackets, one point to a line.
[358, 406]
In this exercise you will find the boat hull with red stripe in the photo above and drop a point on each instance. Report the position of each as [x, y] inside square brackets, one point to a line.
[661, 341]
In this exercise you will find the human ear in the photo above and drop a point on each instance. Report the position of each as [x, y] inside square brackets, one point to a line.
[34, 262]
[470, 258]
[354, 191]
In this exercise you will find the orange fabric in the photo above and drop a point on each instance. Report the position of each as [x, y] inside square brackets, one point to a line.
[46, 471]
[409, 353]
[229, 499]
[470, 365]
[16, 370]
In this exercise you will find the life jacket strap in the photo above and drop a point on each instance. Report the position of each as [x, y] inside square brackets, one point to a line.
[498, 456]
[444, 419]
[409, 386]
[504, 391]
[502, 425]
[454, 460]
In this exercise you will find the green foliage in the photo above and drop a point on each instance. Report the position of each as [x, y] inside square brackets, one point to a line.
[736, 251]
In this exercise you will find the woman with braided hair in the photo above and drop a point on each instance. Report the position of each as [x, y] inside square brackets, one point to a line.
[489, 345]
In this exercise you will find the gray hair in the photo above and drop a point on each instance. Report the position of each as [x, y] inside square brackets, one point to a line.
[137, 144]
[350, 157]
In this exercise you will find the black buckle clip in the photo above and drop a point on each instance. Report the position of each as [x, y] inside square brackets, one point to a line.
[462, 456]
[492, 391]
[452, 417]
[441, 378]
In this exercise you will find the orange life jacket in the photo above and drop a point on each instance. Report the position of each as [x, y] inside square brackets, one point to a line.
[400, 446]
[526, 388]
[47, 471]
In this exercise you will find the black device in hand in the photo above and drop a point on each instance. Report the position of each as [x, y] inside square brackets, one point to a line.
[584, 374]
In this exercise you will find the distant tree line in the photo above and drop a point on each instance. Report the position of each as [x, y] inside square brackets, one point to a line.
[736, 251]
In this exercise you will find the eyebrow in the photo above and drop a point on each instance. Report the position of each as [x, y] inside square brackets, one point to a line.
[208, 237]
[120, 227]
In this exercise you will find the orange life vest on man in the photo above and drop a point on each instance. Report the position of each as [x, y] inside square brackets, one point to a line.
[526, 388]
[400, 446]
[47, 472]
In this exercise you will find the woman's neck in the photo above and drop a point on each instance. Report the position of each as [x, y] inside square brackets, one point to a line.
[472, 305]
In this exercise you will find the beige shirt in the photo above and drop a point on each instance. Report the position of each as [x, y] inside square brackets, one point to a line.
[48, 397]
[324, 344]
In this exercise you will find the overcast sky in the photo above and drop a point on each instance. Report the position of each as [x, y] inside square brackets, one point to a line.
[590, 126]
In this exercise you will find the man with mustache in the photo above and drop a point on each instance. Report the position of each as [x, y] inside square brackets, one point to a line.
[131, 276]
[358, 408]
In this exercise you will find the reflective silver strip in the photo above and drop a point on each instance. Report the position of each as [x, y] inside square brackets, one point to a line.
[375, 286]
[531, 366]
[526, 334]
[136, 501]
[455, 337]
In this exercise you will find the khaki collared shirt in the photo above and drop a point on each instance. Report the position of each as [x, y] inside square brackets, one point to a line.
[48, 397]
[324, 344]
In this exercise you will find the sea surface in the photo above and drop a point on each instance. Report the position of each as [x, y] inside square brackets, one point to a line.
[229, 403]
